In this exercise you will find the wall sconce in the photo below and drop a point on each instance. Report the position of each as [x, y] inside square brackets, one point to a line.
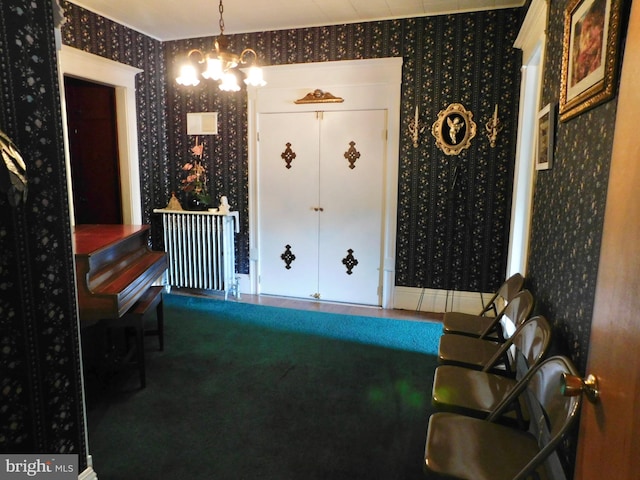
[572, 386]
[415, 129]
[494, 126]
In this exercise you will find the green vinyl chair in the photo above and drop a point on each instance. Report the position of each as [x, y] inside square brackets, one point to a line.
[477, 392]
[467, 448]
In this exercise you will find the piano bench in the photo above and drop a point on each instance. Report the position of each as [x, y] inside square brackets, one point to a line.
[152, 298]
[134, 323]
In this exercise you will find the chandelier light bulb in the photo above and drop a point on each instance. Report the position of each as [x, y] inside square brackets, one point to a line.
[214, 69]
[188, 76]
[229, 83]
[255, 78]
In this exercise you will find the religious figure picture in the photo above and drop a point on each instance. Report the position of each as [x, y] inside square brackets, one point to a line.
[454, 129]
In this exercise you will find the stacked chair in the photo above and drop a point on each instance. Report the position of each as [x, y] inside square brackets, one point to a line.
[458, 322]
[474, 345]
[464, 447]
[477, 392]
[501, 410]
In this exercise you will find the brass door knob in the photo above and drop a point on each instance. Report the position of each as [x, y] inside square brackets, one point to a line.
[572, 385]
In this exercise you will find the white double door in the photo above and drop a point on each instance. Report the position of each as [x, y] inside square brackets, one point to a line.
[321, 204]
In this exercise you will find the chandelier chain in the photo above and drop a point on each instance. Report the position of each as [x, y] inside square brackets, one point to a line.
[221, 22]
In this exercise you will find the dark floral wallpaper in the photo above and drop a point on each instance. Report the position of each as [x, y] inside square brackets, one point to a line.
[568, 212]
[568, 217]
[41, 399]
[92, 33]
[453, 211]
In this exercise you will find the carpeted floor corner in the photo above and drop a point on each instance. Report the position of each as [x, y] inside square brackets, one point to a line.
[253, 392]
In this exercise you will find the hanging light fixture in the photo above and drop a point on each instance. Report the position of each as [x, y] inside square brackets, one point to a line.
[221, 65]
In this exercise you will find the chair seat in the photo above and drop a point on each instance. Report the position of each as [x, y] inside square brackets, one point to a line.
[472, 392]
[466, 351]
[468, 448]
[465, 323]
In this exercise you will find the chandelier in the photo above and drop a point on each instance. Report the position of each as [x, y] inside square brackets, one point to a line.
[221, 65]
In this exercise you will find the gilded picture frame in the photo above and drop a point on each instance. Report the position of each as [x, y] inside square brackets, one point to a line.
[454, 129]
[545, 138]
[590, 55]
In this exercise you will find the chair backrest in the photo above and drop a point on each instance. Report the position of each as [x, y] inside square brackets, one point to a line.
[516, 312]
[504, 294]
[531, 341]
[552, 413]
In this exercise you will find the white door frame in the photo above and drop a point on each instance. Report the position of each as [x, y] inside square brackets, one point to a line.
[88, 66]
[346, 79]
[531, 40]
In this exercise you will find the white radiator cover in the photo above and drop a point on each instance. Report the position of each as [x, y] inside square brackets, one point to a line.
[200, 249]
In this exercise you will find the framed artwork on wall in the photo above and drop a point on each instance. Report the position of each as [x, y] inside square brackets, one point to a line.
[546, 132]
[590, 53]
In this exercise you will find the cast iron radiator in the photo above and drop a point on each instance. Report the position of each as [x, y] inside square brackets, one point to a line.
[200, 249]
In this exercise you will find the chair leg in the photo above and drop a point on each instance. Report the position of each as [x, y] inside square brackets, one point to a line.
[141, 365]
[160, 320]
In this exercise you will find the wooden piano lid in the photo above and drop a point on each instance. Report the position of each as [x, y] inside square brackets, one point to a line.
[92, 238]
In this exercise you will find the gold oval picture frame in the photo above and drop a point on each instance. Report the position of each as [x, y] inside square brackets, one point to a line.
[454, 129]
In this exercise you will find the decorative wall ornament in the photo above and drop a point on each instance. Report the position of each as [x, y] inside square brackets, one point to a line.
[288, 155]
[494, 126]
[349, 261]
[174, 203]
[415, 128]
[352, 155]
[318, 96]
[13, 178]
[454, 129]
[288, 257]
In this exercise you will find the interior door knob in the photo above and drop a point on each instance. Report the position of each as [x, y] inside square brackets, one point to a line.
[572, 385]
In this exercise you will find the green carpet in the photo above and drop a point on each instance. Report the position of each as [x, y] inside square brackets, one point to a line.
[253, 392]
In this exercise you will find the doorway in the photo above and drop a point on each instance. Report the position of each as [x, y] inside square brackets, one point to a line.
[93, 68]
[350, 85]
[93, 152]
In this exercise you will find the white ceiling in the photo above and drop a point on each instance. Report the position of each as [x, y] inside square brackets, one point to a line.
[177, 19]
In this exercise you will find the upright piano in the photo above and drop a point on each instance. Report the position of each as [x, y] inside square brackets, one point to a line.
[114, 268]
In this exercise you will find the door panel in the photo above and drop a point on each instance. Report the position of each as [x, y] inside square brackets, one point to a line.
[608, 441]
[327, 209]
[286, 201]
[351, 194]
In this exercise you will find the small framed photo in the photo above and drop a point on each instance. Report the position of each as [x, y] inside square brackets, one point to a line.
[589, 55]
[546, 132]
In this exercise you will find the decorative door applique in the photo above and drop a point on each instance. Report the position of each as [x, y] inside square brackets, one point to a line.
[352, 155]
[288, 257]
[349, 261]
[288, 155]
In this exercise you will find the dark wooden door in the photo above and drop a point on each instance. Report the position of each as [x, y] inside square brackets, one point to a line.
[93, 145]
[609, 438]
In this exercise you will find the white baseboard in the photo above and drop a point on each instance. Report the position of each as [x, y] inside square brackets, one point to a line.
[409, 298]
[438, 301]
[88, 474]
